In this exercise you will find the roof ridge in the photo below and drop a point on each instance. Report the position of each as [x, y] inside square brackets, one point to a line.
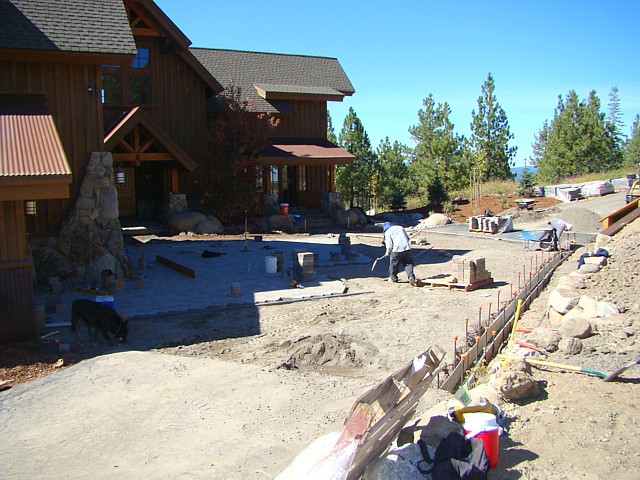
[262, 53]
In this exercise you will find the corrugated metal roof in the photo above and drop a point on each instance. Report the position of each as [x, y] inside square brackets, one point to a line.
[30, 146]
[308, 74]
[305, 152]
[70, 26]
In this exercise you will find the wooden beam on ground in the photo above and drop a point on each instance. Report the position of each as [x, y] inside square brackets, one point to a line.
[189, 272]
[619, 214]
[623, 222]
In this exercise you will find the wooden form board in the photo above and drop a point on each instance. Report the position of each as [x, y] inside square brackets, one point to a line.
[189, 272]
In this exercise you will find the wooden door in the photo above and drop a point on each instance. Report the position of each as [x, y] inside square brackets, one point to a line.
[127, 193]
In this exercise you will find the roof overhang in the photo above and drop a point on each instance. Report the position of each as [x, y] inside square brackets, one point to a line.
[136, 117]
[277, 91]
[305, 152]
[33, 163]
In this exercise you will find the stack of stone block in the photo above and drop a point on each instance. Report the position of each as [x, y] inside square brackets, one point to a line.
[303, 265]
[469, 270]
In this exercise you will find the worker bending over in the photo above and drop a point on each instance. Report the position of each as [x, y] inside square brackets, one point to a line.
[558, 227]
[398, 249]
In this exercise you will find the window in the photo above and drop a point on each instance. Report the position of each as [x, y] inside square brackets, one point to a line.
[130, 86]
[302, 178]
[112, 89]
[141, 60]
[274, 180]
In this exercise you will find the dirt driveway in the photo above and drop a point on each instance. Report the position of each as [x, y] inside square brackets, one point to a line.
[236, 393]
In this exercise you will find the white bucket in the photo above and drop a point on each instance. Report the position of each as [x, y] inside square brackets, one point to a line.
[271, 264]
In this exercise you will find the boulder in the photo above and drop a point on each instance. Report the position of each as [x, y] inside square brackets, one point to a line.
[575, 312]
[555, 318]
[49, 262]
[570, 346]
[606, 309]
[362, 217]
[331, 201]
[185, 222]
[514, 382]
[563, 299]
[271, 205]
[544, 338]
[601, 241]
[599, 261]
[435, 220]
[575, 283]
[345, 218]
[211, 225]
[575, 327]
[589, 306]
[283, 223]
[589, 268]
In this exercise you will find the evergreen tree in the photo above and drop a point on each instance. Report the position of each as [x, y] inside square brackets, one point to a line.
[331, 134]
[577, 141]
[355, 182]
[632, 147]
[490, 136]
[394, 179]
[615, 116]
[439, 150]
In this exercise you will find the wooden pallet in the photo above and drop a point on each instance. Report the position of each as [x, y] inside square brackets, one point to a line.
[466, 286]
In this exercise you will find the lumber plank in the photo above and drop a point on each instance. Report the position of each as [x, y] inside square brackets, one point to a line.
[189, 272]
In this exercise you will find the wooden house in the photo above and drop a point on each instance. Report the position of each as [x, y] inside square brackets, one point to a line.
[299, 164]
[118, 76]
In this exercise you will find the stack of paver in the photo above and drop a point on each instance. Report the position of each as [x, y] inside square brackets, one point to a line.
[470, 270]
[303, 265]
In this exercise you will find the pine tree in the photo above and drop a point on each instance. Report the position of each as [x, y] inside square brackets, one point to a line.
[632, 147]
[394, 178]
[331, 134]
[490, 135]
[439, 150]
[355, 181]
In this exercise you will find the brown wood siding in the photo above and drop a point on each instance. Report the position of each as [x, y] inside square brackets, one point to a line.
[13, 243]
[178, 108]
[306, 120]
[77, 115]
[17, 315]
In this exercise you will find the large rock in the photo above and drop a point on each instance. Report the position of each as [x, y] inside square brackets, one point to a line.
[599, 261]
[271, 205]
[544, 338]
[345, 218]
[211, 225]
[284, 223]
[589, 268]
[606, 309]
[185, 222]
[563, 299]
[514, 382]
[362, 217]
[575, 327]
[589, 306]
[575, 283]
[49, 262]
[570, 346]
[435, 220]
[555, 318]
[331, 201]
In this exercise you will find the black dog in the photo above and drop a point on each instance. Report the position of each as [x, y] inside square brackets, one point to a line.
[98, 317]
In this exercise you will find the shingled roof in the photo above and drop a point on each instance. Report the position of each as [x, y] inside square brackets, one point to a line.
[276, 76]
[88, 26]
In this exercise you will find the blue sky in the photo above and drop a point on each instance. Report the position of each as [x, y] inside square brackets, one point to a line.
[397, 53]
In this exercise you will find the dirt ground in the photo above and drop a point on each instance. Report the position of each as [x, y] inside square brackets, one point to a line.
[332, 350]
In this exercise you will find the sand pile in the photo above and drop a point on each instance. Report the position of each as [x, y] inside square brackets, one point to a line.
[583, 220]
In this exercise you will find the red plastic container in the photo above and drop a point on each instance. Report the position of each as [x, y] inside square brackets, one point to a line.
[483, 426]
[284, 209]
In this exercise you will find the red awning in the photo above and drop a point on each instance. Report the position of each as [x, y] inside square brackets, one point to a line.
[305, 152]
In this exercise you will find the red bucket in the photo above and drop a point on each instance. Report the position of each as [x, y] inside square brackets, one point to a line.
[483, 426]
[284, 209]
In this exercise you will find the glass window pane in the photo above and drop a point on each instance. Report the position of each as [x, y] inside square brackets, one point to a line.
[140, 90]
[111, 89]
[141, 60]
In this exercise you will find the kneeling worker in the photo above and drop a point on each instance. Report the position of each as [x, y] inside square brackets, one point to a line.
[398, 250]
